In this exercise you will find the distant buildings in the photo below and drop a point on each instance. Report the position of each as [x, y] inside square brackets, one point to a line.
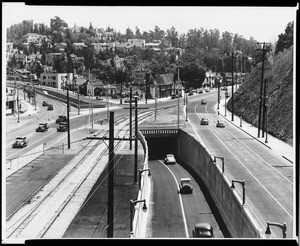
[56, 80]
[137, 42]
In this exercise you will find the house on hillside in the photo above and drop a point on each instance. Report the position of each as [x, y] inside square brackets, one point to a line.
[154, 46]
[18, 74]
[79, 46]
[164, 84]
[137, 42]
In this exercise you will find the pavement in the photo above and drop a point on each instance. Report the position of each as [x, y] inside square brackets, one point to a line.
[284, 149]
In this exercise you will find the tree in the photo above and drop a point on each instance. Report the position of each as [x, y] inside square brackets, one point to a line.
[57, 24]
[129, 34]
[285, 40]
[172, 36]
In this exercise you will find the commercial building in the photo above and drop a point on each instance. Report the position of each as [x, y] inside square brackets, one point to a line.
[56, 80]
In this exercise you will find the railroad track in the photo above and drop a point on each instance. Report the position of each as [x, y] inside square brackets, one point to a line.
[38, 213]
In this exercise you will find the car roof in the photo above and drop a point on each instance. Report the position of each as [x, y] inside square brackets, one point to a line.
[204, 119]
[203, 225]
[185, 179]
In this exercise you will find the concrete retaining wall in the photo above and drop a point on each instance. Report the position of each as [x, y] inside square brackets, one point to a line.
[239, 219]
[140, 216]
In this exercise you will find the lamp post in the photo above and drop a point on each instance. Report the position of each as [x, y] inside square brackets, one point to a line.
[222, 159]
[243, 184]
[132, 203]
[140, 175]
[283, 227]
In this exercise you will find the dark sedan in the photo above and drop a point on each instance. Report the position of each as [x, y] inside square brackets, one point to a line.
[203, 102]
[204, 121]
[19, 144]
[204, 230]
[185, 186]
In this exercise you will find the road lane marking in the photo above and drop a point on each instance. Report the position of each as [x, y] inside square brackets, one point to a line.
[247, 169]
[180, 199]
[254, 152]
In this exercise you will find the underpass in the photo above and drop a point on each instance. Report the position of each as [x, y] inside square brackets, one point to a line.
[174, 215]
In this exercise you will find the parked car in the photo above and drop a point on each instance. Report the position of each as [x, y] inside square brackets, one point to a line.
[42, 127]
[204, 230]
[20, 142]
[62, 127]
[204, 121]
[207, 89]
[201, 91]
[203, 102]
[50, 107]
[169, 159]
[220, 123]
[190, 93]
[185, 186]
[173, 96]
[45, 103]
[61, 118]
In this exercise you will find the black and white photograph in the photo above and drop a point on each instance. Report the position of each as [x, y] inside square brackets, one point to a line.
[149, 122]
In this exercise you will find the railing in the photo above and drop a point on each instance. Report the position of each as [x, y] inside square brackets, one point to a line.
[13, 165]
[159, 132]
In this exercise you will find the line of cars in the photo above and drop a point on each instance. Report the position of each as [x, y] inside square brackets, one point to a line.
[203, 229]
[48, 105]
[219, 124]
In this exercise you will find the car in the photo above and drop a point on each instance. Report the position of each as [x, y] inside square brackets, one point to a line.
[203, 102]
[220, 123]
[50, 107]
[204, 121]
[127, 100]
[190, 93]
[207, 90]
[185, 186]
[45, 103]
[62, 127]
[42, 127]
[173, 96]
[201, 92]
[203, 230]
[19, 144]
[22, 139]
[227, 95]
[169, 159]
[61, 118]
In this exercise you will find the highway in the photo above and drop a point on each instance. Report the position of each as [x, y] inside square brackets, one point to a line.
[268, 176]
[174, 215]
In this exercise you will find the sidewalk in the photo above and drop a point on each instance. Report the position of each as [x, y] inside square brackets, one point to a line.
[280, 147]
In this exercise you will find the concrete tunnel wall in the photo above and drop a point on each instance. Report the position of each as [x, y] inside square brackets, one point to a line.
[237, 218]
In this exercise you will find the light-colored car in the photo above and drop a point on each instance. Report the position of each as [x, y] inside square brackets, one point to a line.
[169, 159]
[204, 230]
[220, 123]
[204, 121]
[185, 186]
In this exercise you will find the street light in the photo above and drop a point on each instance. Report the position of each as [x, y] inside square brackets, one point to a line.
[222, 159]
[140, 175]
[132, 203]
[243, 184]
[283, 227]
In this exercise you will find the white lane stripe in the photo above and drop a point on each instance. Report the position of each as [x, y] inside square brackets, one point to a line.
[247, 169]
[180, 199]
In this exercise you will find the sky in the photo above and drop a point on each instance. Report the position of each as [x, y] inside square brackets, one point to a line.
[264, 24]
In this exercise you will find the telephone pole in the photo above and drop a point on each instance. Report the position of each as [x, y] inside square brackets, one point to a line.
[261, 85]
[232, 84]
[110, 202]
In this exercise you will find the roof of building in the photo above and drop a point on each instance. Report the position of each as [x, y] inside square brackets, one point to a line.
[163, 79]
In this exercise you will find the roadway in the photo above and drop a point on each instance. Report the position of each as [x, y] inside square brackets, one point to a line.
[269, 187]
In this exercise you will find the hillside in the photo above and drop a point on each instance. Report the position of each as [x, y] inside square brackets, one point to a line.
[279, 76]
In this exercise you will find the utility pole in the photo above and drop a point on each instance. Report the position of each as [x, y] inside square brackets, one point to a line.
[78, 100]
[232, 84]
[130, 117]
[178, 100]
[261, 86]
[68, 116]
[110, 202]
[18, 104]
[264, 107]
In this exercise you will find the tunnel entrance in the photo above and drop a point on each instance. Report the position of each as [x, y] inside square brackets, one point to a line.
[158, 147]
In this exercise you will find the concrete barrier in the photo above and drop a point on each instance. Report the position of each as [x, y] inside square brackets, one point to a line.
[140, 216]
[13, 165]
[241, 221]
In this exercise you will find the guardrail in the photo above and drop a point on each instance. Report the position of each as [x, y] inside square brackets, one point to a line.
[13, 165]
[141, 216]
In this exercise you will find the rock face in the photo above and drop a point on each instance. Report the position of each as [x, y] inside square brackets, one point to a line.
[278, 73]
